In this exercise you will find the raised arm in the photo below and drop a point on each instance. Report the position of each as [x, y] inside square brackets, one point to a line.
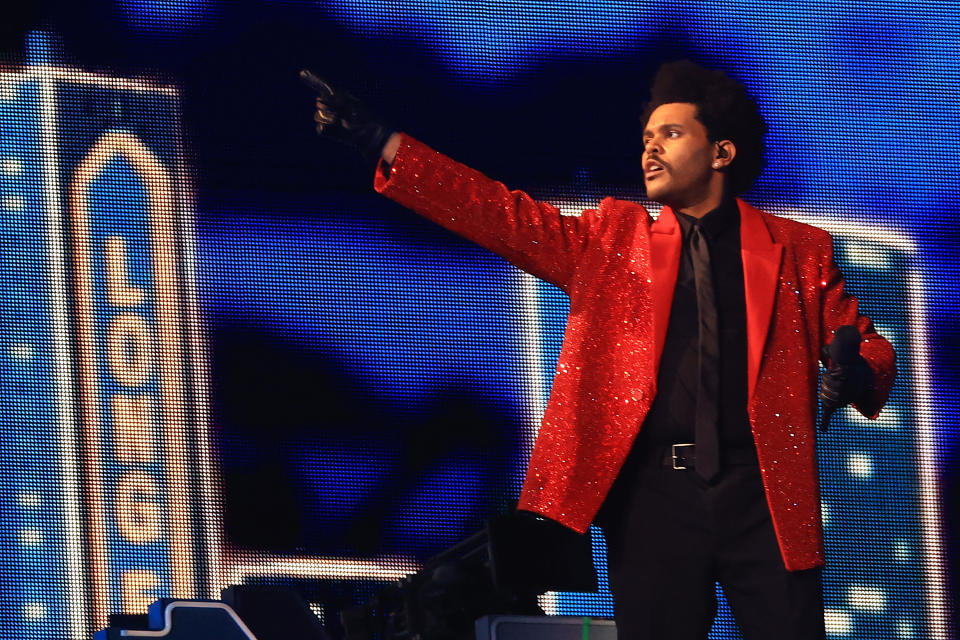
[532, 235]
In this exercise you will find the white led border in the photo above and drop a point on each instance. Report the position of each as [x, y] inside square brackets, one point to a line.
[257, 565]
[937, 596]
[78, 621]
[535, 385]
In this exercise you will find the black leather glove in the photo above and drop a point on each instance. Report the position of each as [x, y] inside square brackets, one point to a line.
[843, 384]
[343, 117]
[847, 378]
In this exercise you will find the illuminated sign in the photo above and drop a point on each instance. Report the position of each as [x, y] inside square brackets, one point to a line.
[116, 498]
[124, 518]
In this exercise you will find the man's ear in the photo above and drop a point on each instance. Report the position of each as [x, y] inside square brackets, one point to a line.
[724, 153]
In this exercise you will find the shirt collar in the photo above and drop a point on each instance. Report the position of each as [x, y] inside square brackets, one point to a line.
[715, 222]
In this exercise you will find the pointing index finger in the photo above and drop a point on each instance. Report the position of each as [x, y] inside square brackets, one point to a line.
[319, 86]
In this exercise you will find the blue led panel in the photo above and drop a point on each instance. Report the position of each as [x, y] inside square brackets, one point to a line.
[100, 420]
[287, 361]
[41, 552]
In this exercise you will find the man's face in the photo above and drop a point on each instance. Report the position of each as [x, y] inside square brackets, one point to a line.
[677, 156]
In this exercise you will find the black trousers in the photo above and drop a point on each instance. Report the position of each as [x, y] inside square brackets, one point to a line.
[670, 538]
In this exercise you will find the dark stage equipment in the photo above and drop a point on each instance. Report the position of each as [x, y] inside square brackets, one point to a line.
[501, 569]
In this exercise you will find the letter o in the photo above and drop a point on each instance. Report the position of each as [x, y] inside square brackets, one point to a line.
[130, 349]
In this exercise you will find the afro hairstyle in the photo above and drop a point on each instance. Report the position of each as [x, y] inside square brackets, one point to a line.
[723, 106]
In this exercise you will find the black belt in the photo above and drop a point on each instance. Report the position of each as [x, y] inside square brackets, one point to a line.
[684, 456]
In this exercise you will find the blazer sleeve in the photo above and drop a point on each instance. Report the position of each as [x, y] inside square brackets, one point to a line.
[532, 235]
[840, 308]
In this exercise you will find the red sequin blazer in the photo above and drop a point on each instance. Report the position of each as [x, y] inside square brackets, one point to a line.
[619, 268]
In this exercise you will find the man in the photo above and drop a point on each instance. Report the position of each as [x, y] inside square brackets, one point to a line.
[682, 417]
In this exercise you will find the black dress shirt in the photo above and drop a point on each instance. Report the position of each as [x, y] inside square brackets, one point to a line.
[671, 418]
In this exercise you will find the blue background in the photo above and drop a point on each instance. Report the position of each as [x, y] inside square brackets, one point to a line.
[349, 339]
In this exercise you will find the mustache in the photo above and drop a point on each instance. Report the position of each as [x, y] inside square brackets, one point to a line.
[658, 160]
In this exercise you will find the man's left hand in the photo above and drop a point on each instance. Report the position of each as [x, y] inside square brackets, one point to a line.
[843, 384]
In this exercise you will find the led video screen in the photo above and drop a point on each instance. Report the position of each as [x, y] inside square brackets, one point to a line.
[315, 387]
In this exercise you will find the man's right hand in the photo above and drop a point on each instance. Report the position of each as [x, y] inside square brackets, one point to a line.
[343, 117]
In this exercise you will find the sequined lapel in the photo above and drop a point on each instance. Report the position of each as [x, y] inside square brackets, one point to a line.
[665, 257]
[761, 268]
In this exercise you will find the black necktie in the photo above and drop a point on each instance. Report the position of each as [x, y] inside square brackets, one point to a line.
[708, 448]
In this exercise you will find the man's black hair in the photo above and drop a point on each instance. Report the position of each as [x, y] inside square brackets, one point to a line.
[723, 106]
